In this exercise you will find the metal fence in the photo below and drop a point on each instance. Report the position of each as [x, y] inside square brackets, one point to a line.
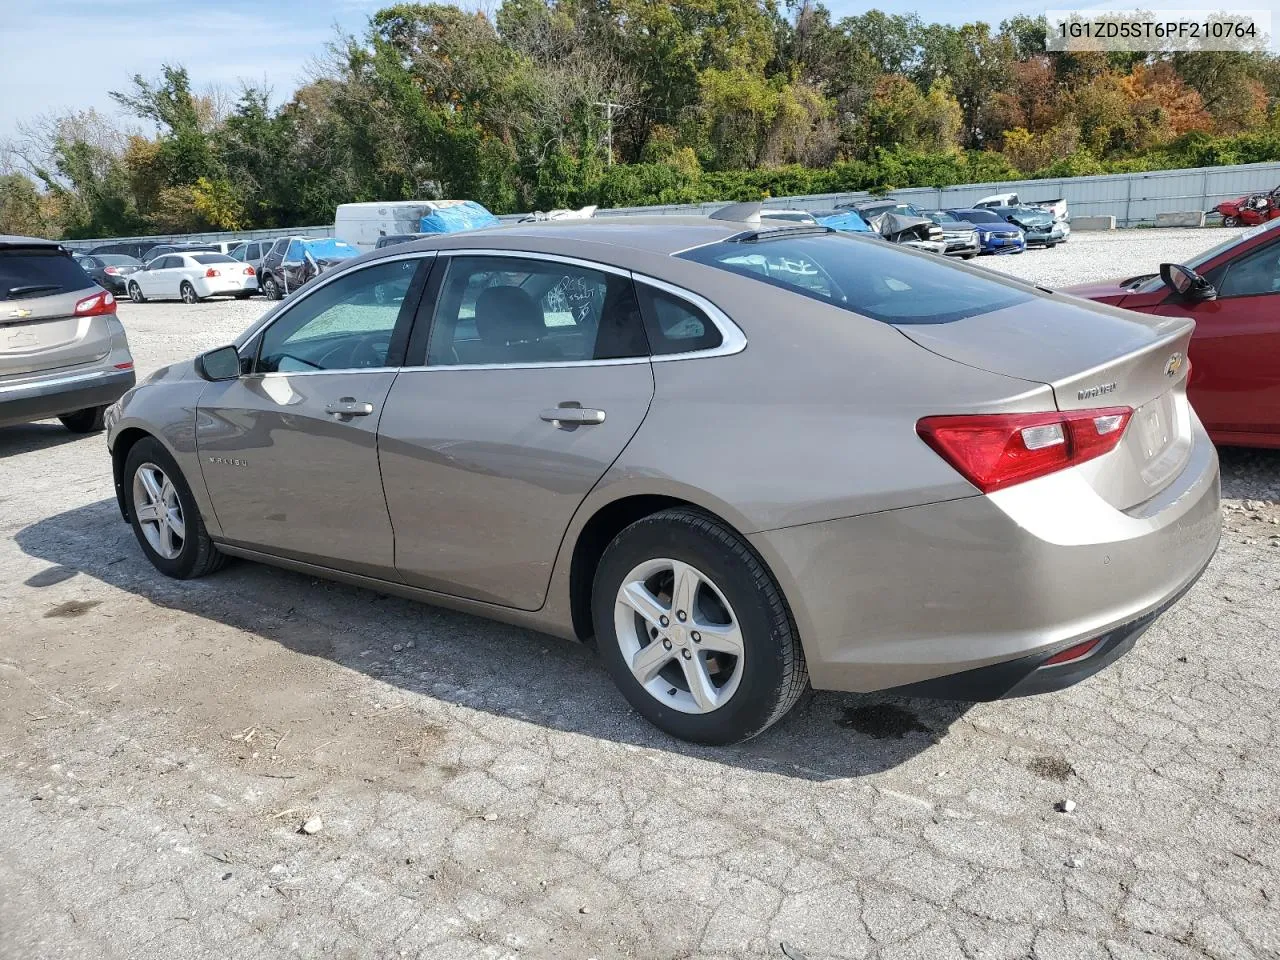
[1133, 199]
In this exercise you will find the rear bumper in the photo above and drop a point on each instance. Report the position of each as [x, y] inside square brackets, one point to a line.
[56, 395]
[220, 287]
[1005, 581]
[1028, 676]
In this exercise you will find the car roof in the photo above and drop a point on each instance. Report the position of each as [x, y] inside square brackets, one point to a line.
[8, 240]
[646, 234]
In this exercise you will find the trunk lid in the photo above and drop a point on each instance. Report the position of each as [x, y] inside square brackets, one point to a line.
[1092, 357]
[42, 333]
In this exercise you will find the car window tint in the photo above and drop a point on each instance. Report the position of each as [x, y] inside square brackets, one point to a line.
[517, 310]
[674, 325]
[345, 324]
[203, 258]
[38, 273]
[1256, 273]
[864, 276]
[239, 253]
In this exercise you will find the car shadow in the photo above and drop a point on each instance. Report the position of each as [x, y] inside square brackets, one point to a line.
[503, 670]
[33, 437]
[1250, 473]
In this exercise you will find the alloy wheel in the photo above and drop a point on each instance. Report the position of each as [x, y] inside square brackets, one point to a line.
[135, 293]
[679, 635]
[159, 511]
[189, 293]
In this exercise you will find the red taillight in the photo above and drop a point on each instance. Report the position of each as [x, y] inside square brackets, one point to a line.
[1072, 653]
[212, 273]
[249, 271]
[994, 451]
[96, 305]
[125, 366]
[111, 270]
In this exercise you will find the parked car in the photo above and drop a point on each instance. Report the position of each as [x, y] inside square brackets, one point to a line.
[930, 498]
[292, 261]
[108, 270]
[1250, 210]
[1038, 226]
[63, 352]
[901, 223]
[960, 235]
[1061, 215]
[193, 246]
[1057, 207]
[998, 200]
[192, 277]
[128, 248]
[252, 253]
[996, 235]
[1232, 292]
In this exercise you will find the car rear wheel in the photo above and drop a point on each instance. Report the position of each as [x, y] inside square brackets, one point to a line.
[694, 630]
[135, 293]
[188, 293]
[271, 288]
[164, 514]
[88, 420]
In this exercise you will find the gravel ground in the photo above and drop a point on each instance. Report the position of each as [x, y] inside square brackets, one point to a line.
[484, 792]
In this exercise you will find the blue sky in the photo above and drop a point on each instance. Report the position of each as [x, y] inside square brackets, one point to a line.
[57, 55]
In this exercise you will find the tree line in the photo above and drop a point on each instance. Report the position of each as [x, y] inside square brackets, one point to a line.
[562, 103]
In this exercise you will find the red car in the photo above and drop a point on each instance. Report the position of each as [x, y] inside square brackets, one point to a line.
[1233, 293]
[1251, 210]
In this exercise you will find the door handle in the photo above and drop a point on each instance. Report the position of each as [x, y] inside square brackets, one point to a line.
[569, 415]
[348, 407]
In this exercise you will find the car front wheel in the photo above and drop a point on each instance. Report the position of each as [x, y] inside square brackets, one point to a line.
[164, 514]
[1231, 221]
[694, 630]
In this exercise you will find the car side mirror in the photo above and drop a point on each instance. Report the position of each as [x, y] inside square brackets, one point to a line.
[221, 363]
[1186, 283]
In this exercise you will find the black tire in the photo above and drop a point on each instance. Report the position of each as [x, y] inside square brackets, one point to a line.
[968, 256]
[270, 289]
[773, 666]
[135, 293]
[1050, 246]
[88, 420]
[188, 293]
[198, 556]
[244, 296]
[1231, 221]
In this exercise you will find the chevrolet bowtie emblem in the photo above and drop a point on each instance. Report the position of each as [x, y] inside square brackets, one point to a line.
[19, 314]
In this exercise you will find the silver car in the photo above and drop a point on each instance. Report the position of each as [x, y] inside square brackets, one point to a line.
[63, 352]
[741, 456]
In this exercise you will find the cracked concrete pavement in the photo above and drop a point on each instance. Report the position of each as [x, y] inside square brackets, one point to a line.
[486, 793]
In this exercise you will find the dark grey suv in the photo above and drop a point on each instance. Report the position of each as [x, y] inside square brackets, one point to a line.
[63, 352]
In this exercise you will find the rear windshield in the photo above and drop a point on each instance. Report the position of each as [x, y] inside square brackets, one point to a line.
[117, 259]
[213, 258]
[863, 276]
[39, 273]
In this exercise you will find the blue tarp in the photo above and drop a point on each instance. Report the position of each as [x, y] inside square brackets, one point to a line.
[462, 215]
[324, 248]
[849, 221]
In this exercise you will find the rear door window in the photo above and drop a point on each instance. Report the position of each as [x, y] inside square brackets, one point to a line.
[515, 310]
[864, 276]
[39, 273]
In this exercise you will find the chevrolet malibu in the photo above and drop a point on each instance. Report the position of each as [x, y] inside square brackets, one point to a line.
[740, 457]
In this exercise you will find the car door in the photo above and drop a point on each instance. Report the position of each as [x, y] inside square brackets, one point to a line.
[536, 378]
[295, 268]
[1235, 378]
[149, 277]
[289, 450]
